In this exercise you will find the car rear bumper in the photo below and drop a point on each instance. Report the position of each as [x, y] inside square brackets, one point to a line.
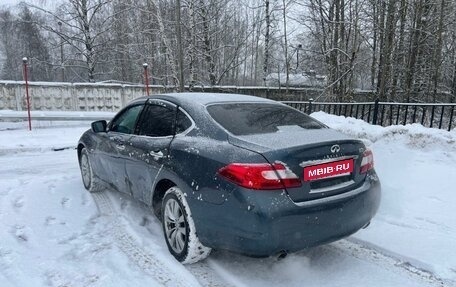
[262, 223]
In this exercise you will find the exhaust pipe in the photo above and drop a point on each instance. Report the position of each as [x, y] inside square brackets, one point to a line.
[281, 255]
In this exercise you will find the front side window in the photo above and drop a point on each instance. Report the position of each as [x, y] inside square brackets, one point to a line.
[126, 122]
[157, 121]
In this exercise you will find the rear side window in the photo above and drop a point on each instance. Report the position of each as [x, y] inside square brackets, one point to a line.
[182, 122]
[157, 121]
[260, 118]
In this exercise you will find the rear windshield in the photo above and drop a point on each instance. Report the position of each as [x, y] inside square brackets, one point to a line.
[260, 118]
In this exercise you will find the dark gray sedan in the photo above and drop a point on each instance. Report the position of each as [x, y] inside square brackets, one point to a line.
[233, 172]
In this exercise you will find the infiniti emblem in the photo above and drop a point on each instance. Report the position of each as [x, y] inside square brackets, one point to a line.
[335, 148]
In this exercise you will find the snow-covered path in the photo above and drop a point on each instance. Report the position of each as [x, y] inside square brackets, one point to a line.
[54, 233]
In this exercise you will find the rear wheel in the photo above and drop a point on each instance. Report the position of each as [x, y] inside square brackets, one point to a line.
[89, 179]
[179, 229]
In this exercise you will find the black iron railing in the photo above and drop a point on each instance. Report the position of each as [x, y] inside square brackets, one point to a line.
[439, 115]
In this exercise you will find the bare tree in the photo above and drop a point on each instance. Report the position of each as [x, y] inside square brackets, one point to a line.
[386, 51]
[21, 37]
[404, 50]
[85, 24]
[437, 55]
[266, 39]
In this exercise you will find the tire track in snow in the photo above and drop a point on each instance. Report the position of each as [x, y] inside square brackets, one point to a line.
[365, 252]
[103, 203]
[148, 262]
[145, 261]
[206, 276]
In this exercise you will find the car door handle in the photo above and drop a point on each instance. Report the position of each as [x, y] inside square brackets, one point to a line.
[120, 146]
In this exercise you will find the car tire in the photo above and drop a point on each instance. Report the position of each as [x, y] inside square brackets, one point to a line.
[179, 229]
[91, 182]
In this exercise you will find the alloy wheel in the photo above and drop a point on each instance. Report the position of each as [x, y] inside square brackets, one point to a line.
[85, 170]
[175, 225]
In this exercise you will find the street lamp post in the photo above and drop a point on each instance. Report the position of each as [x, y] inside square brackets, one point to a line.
[61, 53]
[146, 78]
[24, 61]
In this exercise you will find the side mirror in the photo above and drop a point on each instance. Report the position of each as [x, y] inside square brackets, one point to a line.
[99, 126]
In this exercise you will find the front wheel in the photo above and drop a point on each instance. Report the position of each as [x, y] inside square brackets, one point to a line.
[89, 179]
[179, 229]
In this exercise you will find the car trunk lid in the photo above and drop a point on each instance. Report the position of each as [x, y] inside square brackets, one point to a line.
[326, 161]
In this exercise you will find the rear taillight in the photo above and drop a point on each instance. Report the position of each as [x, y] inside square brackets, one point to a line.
[260, 175]
[368, 161]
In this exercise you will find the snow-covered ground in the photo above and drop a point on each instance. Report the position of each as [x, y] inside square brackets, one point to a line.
[417, 168]
[54, 233]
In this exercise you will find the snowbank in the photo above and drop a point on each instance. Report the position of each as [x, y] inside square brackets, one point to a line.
[40, 139]
[412, 135]
[5, 114]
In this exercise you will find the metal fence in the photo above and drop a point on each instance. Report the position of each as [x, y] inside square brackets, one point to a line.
[440, 116]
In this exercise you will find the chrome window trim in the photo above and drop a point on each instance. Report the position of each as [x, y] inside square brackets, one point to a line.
[144, 136]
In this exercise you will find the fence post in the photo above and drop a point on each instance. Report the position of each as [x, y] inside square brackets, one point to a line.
[310, 106]
[18, 96]
[123, 100]
[374, 117]
[74, 98]
[146, 78]
[24, 61]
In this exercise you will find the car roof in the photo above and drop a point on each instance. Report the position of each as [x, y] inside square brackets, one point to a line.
[192, 99]
[194, 105]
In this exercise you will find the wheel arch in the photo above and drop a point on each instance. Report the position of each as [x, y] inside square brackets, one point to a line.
[80, 147]
[159, 192]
